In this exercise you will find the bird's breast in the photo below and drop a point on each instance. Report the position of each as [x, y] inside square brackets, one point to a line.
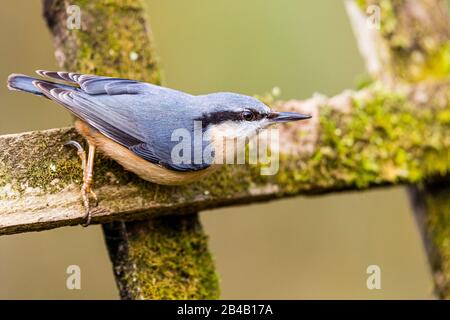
[131, 162]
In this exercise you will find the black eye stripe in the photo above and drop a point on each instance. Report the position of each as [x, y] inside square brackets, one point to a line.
[222, 116]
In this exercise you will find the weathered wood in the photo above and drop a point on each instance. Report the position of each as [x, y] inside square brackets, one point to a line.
[363, 139]
[156, 259]
[162, 258]
[113, 39]
[378, 136]
[412, 45]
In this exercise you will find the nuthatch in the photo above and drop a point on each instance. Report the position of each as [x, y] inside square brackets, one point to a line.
[132, 122]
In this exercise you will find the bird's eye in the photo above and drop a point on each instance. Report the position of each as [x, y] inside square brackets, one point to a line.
[248, 115]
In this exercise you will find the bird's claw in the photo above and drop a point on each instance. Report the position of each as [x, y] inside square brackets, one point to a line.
[86, 191]
[87, 218]
[75, 144]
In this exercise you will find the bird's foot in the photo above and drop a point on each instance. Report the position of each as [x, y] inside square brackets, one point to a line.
[86, 189]
[94, 196]
[87, 208]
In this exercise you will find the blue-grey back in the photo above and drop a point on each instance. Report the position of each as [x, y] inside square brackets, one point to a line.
[140, 116]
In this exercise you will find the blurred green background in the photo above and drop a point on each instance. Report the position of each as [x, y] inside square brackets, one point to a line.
[293, 249]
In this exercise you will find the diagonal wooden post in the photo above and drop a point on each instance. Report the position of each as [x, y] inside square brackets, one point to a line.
[162, 258]
[410, 45]
[431, 204]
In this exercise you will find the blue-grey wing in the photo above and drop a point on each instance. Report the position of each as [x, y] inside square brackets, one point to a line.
[169, 129]
[97, 85]
[132, 113]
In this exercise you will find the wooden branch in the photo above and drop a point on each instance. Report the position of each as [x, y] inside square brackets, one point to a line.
[166, 258]
[358, 140]
[413, 44]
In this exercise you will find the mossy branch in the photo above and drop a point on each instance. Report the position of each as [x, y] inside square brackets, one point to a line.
[114, 39]
[410, 39]
[359, 140]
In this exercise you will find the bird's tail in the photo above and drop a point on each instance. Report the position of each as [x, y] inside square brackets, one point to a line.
[22, 82]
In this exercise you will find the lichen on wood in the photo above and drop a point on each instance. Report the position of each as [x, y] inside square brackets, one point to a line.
[385, 138]
[162, 266]
[114, 39]
[415, 38]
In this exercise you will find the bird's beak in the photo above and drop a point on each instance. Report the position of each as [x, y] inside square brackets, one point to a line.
[276, 117]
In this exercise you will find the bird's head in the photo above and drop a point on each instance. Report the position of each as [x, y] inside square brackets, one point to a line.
[231, 115]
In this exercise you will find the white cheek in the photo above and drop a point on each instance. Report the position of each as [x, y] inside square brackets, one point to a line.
[221, 135]
[233, 129]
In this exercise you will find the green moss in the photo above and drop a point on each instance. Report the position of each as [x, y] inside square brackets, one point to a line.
[45, 165]
[417, 51]
[42, 175]
[173, 262]
[432, 64]
[383, 140]
[118, 46]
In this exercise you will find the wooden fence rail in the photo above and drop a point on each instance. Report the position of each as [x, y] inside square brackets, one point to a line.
[395, 130]
[407, 143]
